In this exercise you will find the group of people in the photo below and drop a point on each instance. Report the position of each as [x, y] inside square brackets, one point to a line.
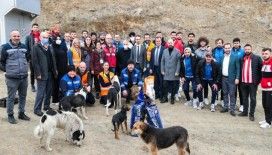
[63, 65]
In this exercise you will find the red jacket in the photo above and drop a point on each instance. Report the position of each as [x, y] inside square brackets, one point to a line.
[110, 55]
[97, 60]
[266, 82]
[178, 44]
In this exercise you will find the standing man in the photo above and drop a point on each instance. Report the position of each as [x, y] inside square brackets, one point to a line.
[155, 65]
[31, 40]
[230, 78]
[191, 43]
[251, 66]
[45, 70]
[170, 68]
[110, 53]
[266, 84]
[14, 63]
[239, 52]
[138, 53]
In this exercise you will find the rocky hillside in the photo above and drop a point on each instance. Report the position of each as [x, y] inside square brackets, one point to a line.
[251, 20]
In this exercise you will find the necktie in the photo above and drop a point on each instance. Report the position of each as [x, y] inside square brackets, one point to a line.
[137, 53]
[157, 56]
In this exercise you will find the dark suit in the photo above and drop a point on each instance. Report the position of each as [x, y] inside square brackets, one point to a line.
[156, 69]
[141, 57]
[29, 42]
[44, 65]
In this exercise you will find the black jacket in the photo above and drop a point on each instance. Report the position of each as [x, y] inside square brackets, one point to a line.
[182, 65]
[152, 59]
[200, 70]
[256, 68]
[39, 62]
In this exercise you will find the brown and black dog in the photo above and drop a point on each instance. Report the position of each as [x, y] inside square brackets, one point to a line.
[118, 120]
[162, 138]
[134, 92]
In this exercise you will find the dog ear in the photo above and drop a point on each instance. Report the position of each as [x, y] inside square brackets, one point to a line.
[142, 125]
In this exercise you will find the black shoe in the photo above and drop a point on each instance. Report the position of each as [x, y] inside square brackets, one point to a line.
[164, 100]
[11, 119]
[232, 113]
[33, 89]
[242, 114]
[45, 109]
[97, 96]
[22, 116]
[172, 101]
[38, 113]
[224, 110]
[252, 118]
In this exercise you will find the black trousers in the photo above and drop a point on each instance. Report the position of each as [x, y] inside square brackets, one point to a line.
[238, 90]
[96, 83]
[158, 81]
[267, 105]
[32, 78]
[170, 86]
[249, 90]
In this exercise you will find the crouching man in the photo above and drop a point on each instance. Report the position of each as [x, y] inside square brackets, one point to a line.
[130, 76]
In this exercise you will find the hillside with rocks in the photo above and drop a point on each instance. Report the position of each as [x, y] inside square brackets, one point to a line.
[251, 20]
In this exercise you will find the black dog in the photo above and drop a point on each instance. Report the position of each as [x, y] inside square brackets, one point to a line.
[118, 119]
[73, 103]
[113, 97]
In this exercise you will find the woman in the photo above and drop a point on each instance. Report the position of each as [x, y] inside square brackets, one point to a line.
[105, 82]
[96, 66]
[75, 54]
[60, 50]
[88, 49]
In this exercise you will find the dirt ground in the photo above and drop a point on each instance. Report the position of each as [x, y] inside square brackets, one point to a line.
[209, 133]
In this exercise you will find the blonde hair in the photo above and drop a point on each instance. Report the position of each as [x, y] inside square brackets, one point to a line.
[188, 49]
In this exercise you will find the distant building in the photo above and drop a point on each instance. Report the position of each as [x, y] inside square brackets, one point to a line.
[17, 14]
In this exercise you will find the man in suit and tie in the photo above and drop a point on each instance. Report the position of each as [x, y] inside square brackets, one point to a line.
[230, 78]
[138, 53]
[155, 67]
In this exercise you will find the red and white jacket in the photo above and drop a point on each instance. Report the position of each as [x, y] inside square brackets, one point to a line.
[110, 55]
[266, 82]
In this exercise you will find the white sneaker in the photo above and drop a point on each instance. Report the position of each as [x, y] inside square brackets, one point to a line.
[188, 103]
[241, 109]
[216, 102]
[177, 97]
[206, 101]
[262, 122]
[195, 102]
[222, 104]
[265, 125]
[212, 108]
[200, 106]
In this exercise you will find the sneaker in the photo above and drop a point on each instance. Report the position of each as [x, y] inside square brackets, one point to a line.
[38, 113]
[224, 110]
[200, 106]
[11, 119]
[242, 114]
[164, 100]
[23, 116]
[216, 102]
[232, 113]
[195, 102]
[222, 104]
[33, 89]
[172, 101]
[188, 103]
[241, 109]
[265, 125]
[212, 108]
[206, 101]
[251, 118]
[262, 122]
[177, 97]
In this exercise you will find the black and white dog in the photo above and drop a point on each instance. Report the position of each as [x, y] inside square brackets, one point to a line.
[69, 121]
[114, 95]
[75, 103]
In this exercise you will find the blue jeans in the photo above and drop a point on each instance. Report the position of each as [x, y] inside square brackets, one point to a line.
[44, 91]
[229, 90]
[13, 85]
[205, 84]
[186, 88]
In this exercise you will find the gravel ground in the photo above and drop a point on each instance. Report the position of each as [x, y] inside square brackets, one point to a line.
[209, 133]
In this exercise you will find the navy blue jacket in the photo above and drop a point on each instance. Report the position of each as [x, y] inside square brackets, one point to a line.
[152, 60]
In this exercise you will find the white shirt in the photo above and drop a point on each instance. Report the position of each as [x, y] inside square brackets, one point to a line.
[225, 66]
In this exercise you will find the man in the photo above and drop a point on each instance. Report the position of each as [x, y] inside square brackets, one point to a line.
[149, 45]
[67, 39]
[138, 53]
[155, 66]
[266, 84]
[159, 35]
[173, 35]
[178, 43]
[251, 73]
[102, 39]
[191, 43]
[14, 62]
[170, 67]
[207, 74]
[230, 78]
[70, 83]
[44, 64]
[110, 53]
[31, 40]
[123, 57]
[130, 76]
[83, 37]
[118, 43]
[73, 35]
[239, 52]
[131, 36]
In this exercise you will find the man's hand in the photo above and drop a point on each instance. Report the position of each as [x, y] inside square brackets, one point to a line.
[150, 71]
[139, 88]
[162, 73]
[144, 69]
[176, 74]
[125, 93]
[39, 77]
[236, 81]
[88, 89]
[92, 72]
[182, 80]
[215, 87]
[199, 87]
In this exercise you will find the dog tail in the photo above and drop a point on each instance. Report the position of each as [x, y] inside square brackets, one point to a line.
[188, 148]
[38, 131]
